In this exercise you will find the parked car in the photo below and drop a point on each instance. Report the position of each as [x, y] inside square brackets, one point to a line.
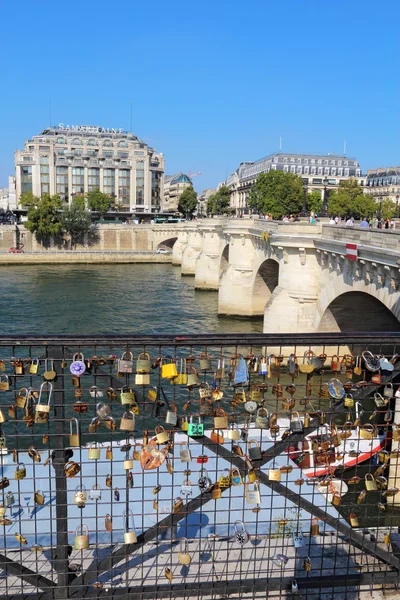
[17, 250]
[163, 251]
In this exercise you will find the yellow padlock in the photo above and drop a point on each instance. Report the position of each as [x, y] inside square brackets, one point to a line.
[274, 475]
[168, 368]
[161, 435]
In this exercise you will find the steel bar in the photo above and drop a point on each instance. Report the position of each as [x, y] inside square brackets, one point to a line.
[27, 575]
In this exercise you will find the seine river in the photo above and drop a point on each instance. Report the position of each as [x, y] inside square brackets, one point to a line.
[133, 298]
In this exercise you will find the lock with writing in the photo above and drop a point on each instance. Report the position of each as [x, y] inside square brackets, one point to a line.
[71, 469]
[143, 363]
[125, 363]
[204, 482]
[298, 539]
[186, 488]
[172, 416]
[274, 474]
[80, 496]
[253, 493]
[195, 429]
[184, 452]
[225, 479]
[152, 394]
[236, 478]
[49, 372]
[127, 421]
[254, 450]
[129, 527]
[348, 400]
[241, 535]
[81, 539]
[20, 471]
[74, 437]
[262, 418]
[127, 396]
[34, 366]
[95, 492]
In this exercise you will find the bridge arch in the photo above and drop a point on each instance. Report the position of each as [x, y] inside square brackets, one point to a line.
[224, 262]
[168, 243]
[265, 281]
[356, 311]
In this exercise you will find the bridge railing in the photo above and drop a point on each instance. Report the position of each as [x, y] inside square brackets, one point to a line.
[195, 466]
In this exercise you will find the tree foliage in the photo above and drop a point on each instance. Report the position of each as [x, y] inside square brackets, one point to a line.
[28, 199]
[210, 208]
[77, 222]
[44, 217]
[188, 201]
[100, 202]
[349, 200]
[277, 193]
[388, 209]
[220, 202]
[79, 201]
[314, 202]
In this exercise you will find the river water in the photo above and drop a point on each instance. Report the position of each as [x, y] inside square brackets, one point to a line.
[132, 298]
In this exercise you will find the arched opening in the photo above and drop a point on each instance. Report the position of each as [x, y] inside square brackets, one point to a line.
[266, 280]
[224, 259]
[167, 244]
[358, 311]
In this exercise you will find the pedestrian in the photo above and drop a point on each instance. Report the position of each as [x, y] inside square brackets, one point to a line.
[387, 224]
[392, 224]
[379, 223]
[364, 223]
[371, 222]
[349, 222]
[332, 221]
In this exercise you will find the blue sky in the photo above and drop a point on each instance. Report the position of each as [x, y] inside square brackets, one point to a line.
[211, 83]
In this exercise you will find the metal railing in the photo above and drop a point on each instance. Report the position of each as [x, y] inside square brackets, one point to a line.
[111, 488]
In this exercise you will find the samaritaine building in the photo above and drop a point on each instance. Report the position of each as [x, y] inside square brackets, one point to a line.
[73, 160]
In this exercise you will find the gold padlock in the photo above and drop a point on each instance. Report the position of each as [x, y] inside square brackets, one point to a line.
[4, 383]
[109, 453]
[183, 554]
[74, 438]
[178, 504]
[128, 464]
[39, 498]
[220, 419]
[336, 499]
[19, 367]
[161, 435]
[127, 396]
[127, 421]
[386, 538]
[94, 451]
[71, 469]
[130, 533]
[81, 542]
[216, 492]
[314, 526]
[370, 483]
[20, 471]
[354, 520]
[274, 475]
[307, 564]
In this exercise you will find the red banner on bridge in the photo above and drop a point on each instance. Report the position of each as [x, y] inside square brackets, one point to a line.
[351, 251]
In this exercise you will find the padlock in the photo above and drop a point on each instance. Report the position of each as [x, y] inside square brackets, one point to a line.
[254, 450]
[396, 432]
[127, 421]
[143, 363]
[388, 390]
[354, 520]
[80, 496]
[127, 396]
[49, 372]
[2, 417]
[348, 400]
[192, 378]
[262, 418]
[2, 365]
[9, 499]
[177, 504]
[307, 564]
[109, 453]
[20, 471]
[71, 469]
[252, 476]
[34, 454]
[186, 488]
[205, 361]
[204, 482]
[94, 425]
[34, 366]
[110, 423]
[103, 410]
[225, 479]
[296, 424]
[206, 408]
[93, 451]
[108, 523]
[274, 474]
[252, 495]
[152, 394]
[96, 392]
[111, 394]
[22, 397]
[80, 407]
[184, 453]
[386, 538]
[161, 435]
[129, 479]
[125, 363]
[202, 458]
[168, 368]
[129, 527]
[19, 367]
[136, 453]
[116, 495]
[220, 419]
[183, 554]
[4, 383]
[336, 499]
[81, 539]
[4, 483]
[74, 438]
[195, 429]
[298, 539]
[370, 483]
[216, 492]
[362, 496]
[314, 526]
[181, 377]
[142, 379]
[241, 535]
[172, 416]
[39, 498]
[255, 393]
[108, 481]
[95, 492]
[383, 456]
[366, 432]
[236, 478]
[233, 432]
[220, 370]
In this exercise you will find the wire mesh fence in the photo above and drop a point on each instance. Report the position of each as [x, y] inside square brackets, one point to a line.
[212, 466]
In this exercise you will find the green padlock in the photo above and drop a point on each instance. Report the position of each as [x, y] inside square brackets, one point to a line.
[195, 429]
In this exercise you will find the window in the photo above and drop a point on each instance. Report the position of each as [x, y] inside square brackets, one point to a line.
[306, 170]
[108, 153]
[93, 179]
[60, 140]
[320, 170]
[139, 153]
[340, 172]
[109, 181]
[313, 170]
[333, 171]
[27, 159]
[92, 143]
[292, 160]
[122, 154]
[123, 144]
[44, 148]
[299, 160]
[346, 172]
[326, 170]
[60, 151]
[44, 160]
[31, 148]
[77, 142]
[319, 161]
[286, 168]
[293, 169]
[317, 181]
[26, 179]
[78, 180]
[313, 161]
[92, 152]
[76, 152]
[139, 182]
[107, 144]
[124, 186]
[299, 169]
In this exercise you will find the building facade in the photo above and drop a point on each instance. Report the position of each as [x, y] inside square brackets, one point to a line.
[319, 172]
[8, 199]
[384, 183]
[174, 186]
[202, 200]
[75, 160]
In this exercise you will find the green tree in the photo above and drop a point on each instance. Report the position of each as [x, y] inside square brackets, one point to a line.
[222, 201]
[188, 201]
[77, 222]
[277, 193]
[349, 199]
[388, 209]
[44, 218]
[211, 205]
[100, 202]
[28, 199]
[314, 202]
[79, 201]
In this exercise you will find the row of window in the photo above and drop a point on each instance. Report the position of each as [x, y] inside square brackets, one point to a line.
[384, 181]
[313, 161]
[318, 170]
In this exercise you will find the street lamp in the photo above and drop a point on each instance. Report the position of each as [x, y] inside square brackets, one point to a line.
[325, 205]
[397, 207]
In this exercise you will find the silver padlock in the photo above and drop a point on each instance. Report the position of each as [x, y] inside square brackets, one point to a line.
[172, 416]
[184, 453]
[298, 539]
[186, 489]
[9, 499]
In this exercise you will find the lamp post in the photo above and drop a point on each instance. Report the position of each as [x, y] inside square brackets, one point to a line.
[397, 208]
[325, 204]
[304, 209]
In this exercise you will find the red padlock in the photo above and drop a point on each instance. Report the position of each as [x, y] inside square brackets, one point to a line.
[203, 458]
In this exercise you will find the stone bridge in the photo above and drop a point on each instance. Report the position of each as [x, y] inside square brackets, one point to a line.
[295, 274]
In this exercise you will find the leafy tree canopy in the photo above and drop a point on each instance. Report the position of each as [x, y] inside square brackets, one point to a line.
[188, 201]
[222, 201]
[388, 209]
[77, 222]
[44, 217]
[314, 202]
[100, 202]
[349, 199]
[28, 199]
[277, 193]
[78, 201]
[210, 209]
